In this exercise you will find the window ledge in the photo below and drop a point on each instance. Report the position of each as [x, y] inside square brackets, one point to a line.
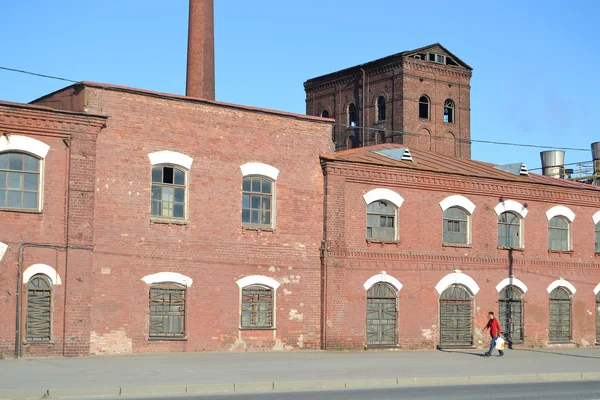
[559, 252]
[561, 342]
[30, 342]
[464, 246]
[167, 338]
[21, 210]
[169, 221]
[256, 329]
[382, 242]
[449, 123]
[520, 249]
[258, 228]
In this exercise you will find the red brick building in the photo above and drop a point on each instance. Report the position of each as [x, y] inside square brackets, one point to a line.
[419, 98]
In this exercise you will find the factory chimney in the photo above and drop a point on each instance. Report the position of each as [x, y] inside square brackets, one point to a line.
[200, 81]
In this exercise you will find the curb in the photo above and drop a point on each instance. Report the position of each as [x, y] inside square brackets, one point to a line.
[118, 391]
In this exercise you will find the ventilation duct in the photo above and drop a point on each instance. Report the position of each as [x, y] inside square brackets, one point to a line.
[553, 163]
[596, 158]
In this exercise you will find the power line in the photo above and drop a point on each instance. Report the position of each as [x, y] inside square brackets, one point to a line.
[36, 74]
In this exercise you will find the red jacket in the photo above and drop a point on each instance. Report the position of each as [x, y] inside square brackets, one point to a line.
[494, 326]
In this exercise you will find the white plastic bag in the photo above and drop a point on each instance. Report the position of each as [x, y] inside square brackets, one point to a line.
[500, 344]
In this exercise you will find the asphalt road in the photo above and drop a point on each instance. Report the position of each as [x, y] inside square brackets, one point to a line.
[580, 390]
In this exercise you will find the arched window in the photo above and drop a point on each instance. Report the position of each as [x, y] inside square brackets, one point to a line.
[168, 192]
[39, 309]
[382, 314]
[257, 307]
[560, 315]
[597, 237]
[381, 108]
[382, 219]
[456, 226]
[449, 111]
[167, 310]
[257, 196]
[424, 107]
[325, 114]
[456, 316]
[509, 230]
[559, 234]
[352, 120]
[19, 181]
[510, 313]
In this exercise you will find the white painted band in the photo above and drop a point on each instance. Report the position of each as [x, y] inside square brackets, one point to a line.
[3, 247]
[25, 144]
[511, 205]
[561, 282]
[170, 157]
[162, 277]
[596, 217]
[457, 278]
[383, 194]
[383, 277]
[511, 281]
[457, 201]
[560, 210]
[597, 289]
[42, 269]
[256, 168]
[258, 280]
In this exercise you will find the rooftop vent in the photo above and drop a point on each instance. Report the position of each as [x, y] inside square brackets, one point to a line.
[553, 163]
[400, 154]
[596, 158]
[518, 169]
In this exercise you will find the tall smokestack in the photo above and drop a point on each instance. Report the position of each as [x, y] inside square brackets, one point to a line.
[201, 51]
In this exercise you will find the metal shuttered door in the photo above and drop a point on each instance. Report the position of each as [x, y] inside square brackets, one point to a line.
[382, 315]
[560, 315]
[510, 313]
[456, 317]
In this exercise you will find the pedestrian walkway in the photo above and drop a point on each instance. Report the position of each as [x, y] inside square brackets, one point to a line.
[280, 370]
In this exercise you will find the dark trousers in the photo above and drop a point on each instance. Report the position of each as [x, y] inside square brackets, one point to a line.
[492, 345]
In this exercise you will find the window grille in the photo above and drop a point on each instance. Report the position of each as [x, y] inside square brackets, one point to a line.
[559, 230]
[382, 315]
[257, 307]
[168, 192]
[39, 309]
[167, 310]
[257, 194]
[19, 181]
[381, 221]
[560, 315]
[597, 238]
[509, 229]
[456, 317]
[510, 313]
[424, 107]
[456, 226]
[449, 111]
[381, 108]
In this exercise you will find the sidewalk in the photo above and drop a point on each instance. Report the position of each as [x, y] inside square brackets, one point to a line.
[187, 372]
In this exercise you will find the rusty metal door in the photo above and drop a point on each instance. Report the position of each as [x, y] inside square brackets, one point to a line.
[510, 313]
[456, 317]
[382, 315]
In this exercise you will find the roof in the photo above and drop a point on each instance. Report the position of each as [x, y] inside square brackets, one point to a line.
[177, 97]
[423, 160]
[35, 107]
[382, 61]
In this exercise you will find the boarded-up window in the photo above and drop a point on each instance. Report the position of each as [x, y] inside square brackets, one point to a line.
[39, 309]
[559, 234]
[510, 313]
[560, 315]
[167, 310]
[456, 226]
[456, 317]
[19, 181]
[381, 221]
[168, 192]
[257, 194]
[257, 307]
[509, 230]
[382, 315]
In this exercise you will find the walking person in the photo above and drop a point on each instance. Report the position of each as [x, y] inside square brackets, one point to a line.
[494, 326]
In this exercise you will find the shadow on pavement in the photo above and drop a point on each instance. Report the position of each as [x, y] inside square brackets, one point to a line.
[556, 353]
[468, 353]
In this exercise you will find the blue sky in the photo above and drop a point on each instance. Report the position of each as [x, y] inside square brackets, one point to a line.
[535, 63]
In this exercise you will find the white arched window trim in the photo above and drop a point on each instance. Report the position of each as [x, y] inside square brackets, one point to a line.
[511, 205]
[383, 194]
[457, 277]
[255, 168]
[457, 201]
[44, 269]
[383, 277]
[258, 280]
[170, 157]
[3, 248]
[596, 217]
[597, 289]
[161, 277]
[562, 211]
[561, 282]
[511, 281]
[24, 144]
